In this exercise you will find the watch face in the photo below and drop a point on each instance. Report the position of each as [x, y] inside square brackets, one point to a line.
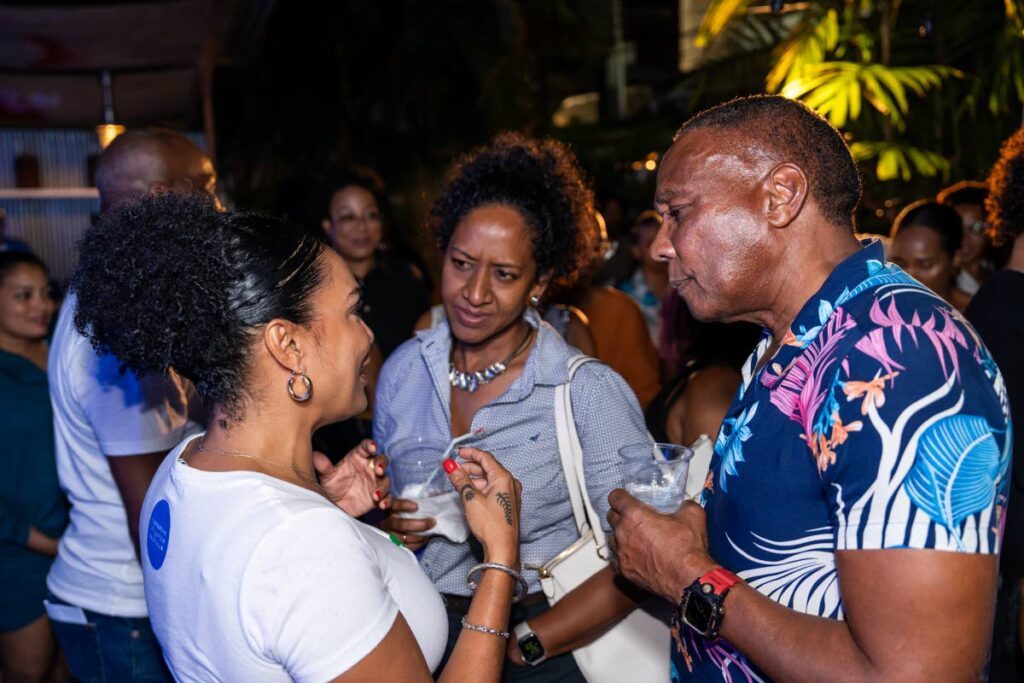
[698, 613]
[531, 648]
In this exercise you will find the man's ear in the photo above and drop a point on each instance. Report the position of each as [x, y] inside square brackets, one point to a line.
[283, 345]
[786, 189]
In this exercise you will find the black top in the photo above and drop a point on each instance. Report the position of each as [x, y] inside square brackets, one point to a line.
[394, 297]
[997, 313]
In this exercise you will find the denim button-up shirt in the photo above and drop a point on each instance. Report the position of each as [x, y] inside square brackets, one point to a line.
[414, 398]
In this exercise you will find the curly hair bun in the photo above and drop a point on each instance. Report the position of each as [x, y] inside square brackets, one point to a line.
[540, 179]
[170, 282]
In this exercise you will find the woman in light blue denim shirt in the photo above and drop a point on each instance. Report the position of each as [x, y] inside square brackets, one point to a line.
[515, 216]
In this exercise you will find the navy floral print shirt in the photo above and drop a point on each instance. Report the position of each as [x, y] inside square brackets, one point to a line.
[881, 422]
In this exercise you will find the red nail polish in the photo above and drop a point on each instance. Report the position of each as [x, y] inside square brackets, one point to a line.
[376, 495]
[450, 465]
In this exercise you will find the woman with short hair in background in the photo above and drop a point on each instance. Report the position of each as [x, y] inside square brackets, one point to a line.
[926, 239]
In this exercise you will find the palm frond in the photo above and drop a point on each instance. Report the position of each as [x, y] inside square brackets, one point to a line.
[900, 161]
[835, 89]
[811, 41]
[717, 16]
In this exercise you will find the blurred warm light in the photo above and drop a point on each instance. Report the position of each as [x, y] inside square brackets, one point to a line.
[637, 165]
[106, 132]
[650, 164]
[578, 109]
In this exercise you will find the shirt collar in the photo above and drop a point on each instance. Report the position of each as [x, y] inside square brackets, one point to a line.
[847, 280]
[546, 366]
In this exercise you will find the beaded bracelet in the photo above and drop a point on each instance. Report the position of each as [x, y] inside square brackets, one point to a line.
[484, 629]
[521, 586]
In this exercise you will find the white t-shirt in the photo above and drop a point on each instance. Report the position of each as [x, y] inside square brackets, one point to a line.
[250, 578]
[100, 412]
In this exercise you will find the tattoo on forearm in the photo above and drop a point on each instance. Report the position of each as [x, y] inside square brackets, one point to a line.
[467, 493]
[505, 501]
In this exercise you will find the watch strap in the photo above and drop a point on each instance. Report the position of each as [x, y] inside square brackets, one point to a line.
[720, 579]
[522, 629]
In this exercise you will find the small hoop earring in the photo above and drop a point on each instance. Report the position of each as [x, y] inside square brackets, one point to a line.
[306, 381]
[535, 301]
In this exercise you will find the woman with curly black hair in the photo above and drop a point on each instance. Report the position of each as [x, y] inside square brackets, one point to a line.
[996, 312]
[513, 217]
[255, 569]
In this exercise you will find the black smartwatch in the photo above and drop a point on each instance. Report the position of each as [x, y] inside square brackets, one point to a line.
[529, 644]
[702, 605]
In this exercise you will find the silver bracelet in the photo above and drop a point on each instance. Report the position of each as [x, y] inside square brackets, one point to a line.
[484, 629]
[521, 586]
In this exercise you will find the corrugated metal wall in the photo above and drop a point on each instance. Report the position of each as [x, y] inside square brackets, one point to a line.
[52, 226]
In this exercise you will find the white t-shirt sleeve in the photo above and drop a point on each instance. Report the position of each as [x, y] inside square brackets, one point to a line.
[131, 415]
[325, 607]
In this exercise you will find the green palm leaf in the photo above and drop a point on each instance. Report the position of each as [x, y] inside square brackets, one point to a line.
[836, 89]
[812, 40]
[717, 16]
[900, 161]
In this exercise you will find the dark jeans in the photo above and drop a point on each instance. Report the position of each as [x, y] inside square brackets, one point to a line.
[111, 649]
[561, 669]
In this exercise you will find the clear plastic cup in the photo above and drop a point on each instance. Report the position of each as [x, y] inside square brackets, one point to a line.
[415, 465]
[655, 474]
[417, 475]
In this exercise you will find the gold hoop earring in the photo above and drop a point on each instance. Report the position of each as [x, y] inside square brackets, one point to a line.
[305, 381]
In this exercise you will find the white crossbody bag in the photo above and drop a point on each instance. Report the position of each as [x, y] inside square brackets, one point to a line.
[637, 648]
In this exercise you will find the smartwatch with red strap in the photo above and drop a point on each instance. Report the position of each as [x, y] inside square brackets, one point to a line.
[701, 607]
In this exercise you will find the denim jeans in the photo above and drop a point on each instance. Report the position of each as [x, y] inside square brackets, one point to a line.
[111, 649]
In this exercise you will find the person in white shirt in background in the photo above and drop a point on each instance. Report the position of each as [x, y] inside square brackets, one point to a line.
[112, 430]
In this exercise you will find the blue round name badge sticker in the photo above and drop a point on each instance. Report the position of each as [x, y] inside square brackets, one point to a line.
[159, 534]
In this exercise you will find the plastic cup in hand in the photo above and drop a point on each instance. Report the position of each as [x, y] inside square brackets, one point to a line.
[414, 463]
[655, 474]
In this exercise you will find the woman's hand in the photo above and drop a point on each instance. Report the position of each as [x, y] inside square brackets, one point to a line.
[359, 482]
[408, 529]
[490, 496]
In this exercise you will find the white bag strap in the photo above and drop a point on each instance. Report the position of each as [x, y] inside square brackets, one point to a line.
[571, 452]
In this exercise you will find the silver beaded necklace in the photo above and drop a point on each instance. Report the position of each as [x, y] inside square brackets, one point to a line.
[471, 381]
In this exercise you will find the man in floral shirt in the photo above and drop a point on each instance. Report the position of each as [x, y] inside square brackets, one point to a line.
[852, 514]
